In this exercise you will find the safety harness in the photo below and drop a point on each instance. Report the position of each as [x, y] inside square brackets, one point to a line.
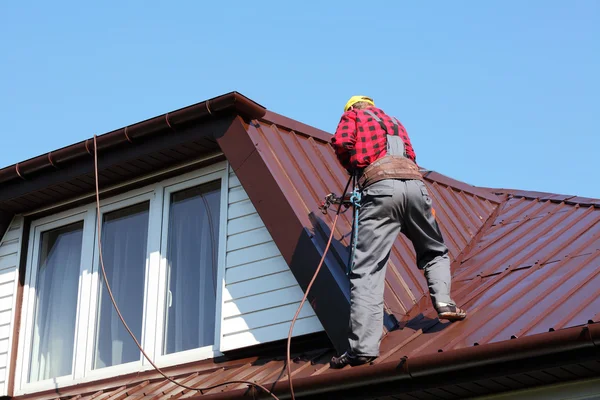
[355, 199]
[352, 200]
[395, 164]
[395, 147]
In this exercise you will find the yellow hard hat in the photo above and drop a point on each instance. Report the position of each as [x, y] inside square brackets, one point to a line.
[355, 99]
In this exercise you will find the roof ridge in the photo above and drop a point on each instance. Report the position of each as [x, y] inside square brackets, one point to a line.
[461, 185]
[548, 196]
[491, 194]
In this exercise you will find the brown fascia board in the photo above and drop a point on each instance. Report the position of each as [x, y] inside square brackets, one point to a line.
[257, 174]
[536, 352]
[230, 103]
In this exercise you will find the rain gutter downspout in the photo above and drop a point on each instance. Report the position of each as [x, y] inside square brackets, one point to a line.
[226, 104]
[514, 350]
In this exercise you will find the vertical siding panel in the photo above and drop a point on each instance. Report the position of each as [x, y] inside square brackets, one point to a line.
[261, 294]
[10, 247]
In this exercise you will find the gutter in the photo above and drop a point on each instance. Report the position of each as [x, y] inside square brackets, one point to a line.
[477, 358]
[230, 103]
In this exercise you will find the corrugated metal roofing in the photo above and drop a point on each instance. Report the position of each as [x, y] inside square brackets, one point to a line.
[308, 170]
[523, 263]
[536, 261]
[266, 371]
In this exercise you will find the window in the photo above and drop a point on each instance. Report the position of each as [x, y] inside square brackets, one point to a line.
[163, 256]
[124, 239]
[56, 302]
[192, 264]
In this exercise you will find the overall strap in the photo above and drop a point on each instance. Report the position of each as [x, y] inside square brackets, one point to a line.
[376, 118]
[394, 143]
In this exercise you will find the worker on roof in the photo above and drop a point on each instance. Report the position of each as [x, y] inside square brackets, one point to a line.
[377, 150]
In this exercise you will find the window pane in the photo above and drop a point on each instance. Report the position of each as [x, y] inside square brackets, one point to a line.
[56, 302]
[192, 250]
[124, 239]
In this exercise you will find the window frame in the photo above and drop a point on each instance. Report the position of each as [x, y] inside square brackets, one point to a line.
[96, 276]
[158, 195]
[38, 227]
[170, 187]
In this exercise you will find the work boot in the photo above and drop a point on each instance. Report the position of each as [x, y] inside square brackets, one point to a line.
[349, 359]
[450, 312]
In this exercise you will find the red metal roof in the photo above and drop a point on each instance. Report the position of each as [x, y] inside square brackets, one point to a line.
[306, 168]
[525, 265]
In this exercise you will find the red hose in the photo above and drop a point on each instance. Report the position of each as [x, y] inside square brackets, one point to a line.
[289, 339]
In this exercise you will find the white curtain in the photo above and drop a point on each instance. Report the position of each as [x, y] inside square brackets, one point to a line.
[124, 250]
[56, 303]
[192, 259]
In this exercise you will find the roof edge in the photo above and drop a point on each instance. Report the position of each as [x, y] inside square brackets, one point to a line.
[299, 127]
[230, 103]
[435, 176]
[548, 196]
[584, 337]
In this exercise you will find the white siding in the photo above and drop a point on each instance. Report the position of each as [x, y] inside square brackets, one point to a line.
[261, 295]
[9, 261]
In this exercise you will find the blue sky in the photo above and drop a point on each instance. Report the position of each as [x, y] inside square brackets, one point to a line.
[494, 93]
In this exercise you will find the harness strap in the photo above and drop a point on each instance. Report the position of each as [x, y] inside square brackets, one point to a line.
[395, 144]
[376, 118]
[389, 167]
[355, 200]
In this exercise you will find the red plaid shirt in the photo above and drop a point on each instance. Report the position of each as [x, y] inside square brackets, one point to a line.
[359, 139]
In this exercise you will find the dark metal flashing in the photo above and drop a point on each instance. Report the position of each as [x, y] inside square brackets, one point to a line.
[283, 221]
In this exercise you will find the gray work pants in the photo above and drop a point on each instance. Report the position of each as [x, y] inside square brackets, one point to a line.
[389, 207]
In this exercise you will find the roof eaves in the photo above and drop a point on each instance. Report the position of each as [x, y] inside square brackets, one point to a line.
[230, 103]
[61, 160]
